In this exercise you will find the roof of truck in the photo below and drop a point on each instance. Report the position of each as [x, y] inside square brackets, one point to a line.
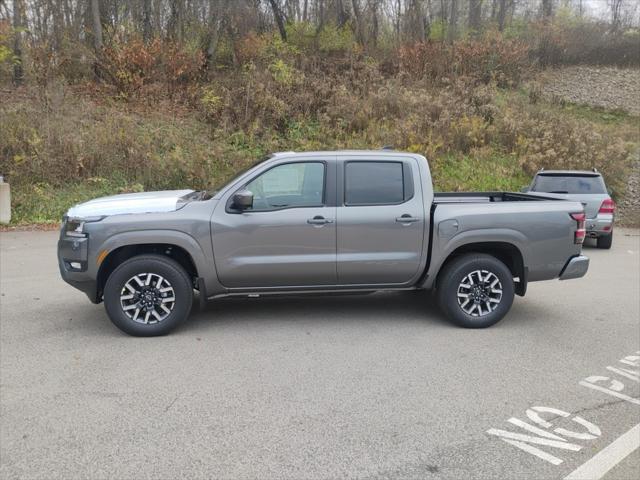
[383, 151]
[581, 173]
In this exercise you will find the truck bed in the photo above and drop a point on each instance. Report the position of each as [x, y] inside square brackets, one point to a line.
[487, 197]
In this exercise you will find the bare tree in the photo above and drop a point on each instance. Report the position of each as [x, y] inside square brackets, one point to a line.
[279, 18]
[97, 25]
[146, 20]
[616, 14]
[342, 16]
[217, 9]
[453, 21]
[374, 5]
[475, 14]
[502, 13]
[547, 10]
[18, 70]
[357, 15]
[418, 20]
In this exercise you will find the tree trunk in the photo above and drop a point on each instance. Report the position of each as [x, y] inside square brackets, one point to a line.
[216, 17]
[97, 25]
[502, 14]
[547, 10]
[358, 21]
[475, 14]
[176, 18]
[277, 13]
[419, 19]
[616, 17]
[58, 25]
[341, 14]
[18, 70]
[147, 32]
[398, 19]
[374, 21]
[453, 21]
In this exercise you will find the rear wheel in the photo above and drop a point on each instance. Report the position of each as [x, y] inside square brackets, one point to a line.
[475, 290]
[148, 295]
[605, 241]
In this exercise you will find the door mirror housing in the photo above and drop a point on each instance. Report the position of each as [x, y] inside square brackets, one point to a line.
[524, 189]
[610, 191]
[243, 200]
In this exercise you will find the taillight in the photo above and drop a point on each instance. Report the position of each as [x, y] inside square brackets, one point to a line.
[608, 206]
[580, 230]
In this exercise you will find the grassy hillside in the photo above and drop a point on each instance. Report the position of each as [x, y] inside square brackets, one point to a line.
[481, 124]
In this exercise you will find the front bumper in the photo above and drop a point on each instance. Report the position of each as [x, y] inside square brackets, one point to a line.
[72, 262]
[576, 267]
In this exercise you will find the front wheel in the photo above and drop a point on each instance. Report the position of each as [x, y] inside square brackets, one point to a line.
[148, 295]
[475, 290]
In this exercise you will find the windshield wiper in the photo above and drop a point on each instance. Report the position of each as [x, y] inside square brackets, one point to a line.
[558, 191]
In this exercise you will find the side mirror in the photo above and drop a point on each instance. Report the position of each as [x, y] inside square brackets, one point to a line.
[524, 189]
[243, 200]
[610, 191]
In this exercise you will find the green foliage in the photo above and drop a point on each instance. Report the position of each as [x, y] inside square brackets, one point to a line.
[334, 39]
[301, 35]
[7, 58]
[438, 30]
[282, 73]
[453, 173]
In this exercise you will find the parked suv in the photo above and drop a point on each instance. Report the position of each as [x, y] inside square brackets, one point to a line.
[587, 187]
[347, 221]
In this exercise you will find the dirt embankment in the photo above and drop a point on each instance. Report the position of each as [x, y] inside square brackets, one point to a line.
[606, 87]
[609, 88]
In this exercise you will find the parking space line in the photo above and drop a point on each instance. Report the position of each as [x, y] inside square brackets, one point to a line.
[605, 460]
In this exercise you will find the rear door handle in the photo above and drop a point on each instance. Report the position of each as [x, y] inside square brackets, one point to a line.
[319, 220]
[406, 218]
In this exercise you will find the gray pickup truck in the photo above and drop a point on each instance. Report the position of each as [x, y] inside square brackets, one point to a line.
[295, 223]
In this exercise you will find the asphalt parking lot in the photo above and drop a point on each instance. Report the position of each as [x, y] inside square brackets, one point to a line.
[376, 386]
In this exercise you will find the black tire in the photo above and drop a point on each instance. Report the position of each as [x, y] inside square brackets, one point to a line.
[605, 241]
[160, 265]
[450, 280]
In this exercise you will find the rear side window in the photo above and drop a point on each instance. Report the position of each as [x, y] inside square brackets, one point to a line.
[569, 184]
[376, 183]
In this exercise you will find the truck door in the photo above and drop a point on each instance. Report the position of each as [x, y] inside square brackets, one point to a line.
[381, 220]
[288, 237]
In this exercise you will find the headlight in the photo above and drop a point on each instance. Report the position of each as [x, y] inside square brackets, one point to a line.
[74, 227]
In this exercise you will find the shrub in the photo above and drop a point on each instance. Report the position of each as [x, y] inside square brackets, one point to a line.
[129, 64]
[492, 58]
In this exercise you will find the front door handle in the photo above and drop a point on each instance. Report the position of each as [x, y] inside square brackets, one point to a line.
[406, 218]
[319, 220]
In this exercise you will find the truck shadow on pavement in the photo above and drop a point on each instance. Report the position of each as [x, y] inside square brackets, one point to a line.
[383, 306]
[407, 308]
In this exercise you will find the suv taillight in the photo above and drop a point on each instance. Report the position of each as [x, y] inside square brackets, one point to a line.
[608, 206]
[580, 231]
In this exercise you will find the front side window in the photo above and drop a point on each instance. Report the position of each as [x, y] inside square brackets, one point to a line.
[374, 183]
[289, 185]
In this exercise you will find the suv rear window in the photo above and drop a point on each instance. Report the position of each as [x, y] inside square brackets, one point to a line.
[374, 183]
[569, 184]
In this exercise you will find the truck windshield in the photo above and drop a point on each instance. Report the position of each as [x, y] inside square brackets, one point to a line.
[569, 184]
[225, 181]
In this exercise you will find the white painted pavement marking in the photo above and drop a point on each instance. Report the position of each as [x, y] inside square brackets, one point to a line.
[605, 460]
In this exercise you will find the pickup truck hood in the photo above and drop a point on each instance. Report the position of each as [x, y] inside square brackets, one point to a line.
[146, 202]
